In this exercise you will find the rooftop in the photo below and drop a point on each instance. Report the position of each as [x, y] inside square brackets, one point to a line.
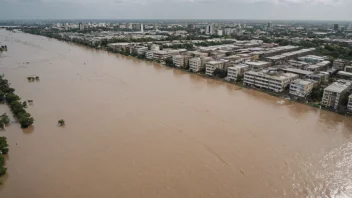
[304, 81]
[343, 73]
[257, 63]
[339, 86]
[297, 71]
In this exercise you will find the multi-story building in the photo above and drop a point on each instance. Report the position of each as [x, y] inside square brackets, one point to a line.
[233, 73]
[279, 59]
[302, 88]
[160, 55]
[179, 61]
[212, 65]
[268, 79]
[348, 69]
[349, 105]
[195, 64]
[142, 50]
[258, 64]
[339, 64]
[149, 54]
[312, 59]
[335, 94]
[321, 66]
[210, 29]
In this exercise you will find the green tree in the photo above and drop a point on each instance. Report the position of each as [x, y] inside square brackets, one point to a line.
[12, 97]
[3, 146]
[61, 122]
[5, 119]
[25, 121]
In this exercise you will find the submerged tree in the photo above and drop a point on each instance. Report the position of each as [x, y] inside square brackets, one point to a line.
[4, 118]
[61, 122]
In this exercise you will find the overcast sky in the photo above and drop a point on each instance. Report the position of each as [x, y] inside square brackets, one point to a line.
[177, 9]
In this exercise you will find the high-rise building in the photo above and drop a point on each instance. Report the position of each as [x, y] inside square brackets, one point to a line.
[191, 26]
[81, 26]
[142, 28]
[270, 25]
[336, 27]
[349, 26]
[210, 29]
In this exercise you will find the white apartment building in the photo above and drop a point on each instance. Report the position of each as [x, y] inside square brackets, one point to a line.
[302, 88]
[212, 65]
[339, 64]
[270, 80]
[335, 93]
[233, 73]
[195, 64]
[349, 105]
[179, 61]
[149, 54]
[160, 55]
[142, 50]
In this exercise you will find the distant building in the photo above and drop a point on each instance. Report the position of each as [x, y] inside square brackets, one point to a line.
[233, 73]
[270, 26]
[195, 64]
[349, 105]
[271, 80]
[335, 94]
[191, 26]
[219, 32]
[336, 27]
[210, 29]
[302, 88]
[81, 26]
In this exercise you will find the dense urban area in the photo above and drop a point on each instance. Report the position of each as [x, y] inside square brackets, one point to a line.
[309, 62]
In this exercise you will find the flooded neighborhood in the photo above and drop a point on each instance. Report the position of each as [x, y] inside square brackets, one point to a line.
[139, 129]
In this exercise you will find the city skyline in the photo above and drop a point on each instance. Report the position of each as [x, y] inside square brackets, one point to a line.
[172, 9]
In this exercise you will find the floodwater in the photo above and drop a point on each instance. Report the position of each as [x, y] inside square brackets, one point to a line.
[137, 129]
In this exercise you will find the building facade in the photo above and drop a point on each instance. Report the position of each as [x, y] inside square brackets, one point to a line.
[334, 94]
[178, 61]
[301, 88]
[195, 64]
[270, 80]
[349, 105]
[212, 65]
[237, 71]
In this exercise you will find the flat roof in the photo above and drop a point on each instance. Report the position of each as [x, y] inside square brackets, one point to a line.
[297, 71]
[304, 81]
[339, 86]
[238, 66]
[257, 63]
[343, 73]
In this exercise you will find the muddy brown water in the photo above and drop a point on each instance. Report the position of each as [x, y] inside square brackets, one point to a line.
[138, 129]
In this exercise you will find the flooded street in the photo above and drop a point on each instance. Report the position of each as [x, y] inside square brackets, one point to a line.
[138, 129]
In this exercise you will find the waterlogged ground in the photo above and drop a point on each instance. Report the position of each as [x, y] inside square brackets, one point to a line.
[138, 129]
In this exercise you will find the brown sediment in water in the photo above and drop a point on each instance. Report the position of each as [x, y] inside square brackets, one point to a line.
[138, 129]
